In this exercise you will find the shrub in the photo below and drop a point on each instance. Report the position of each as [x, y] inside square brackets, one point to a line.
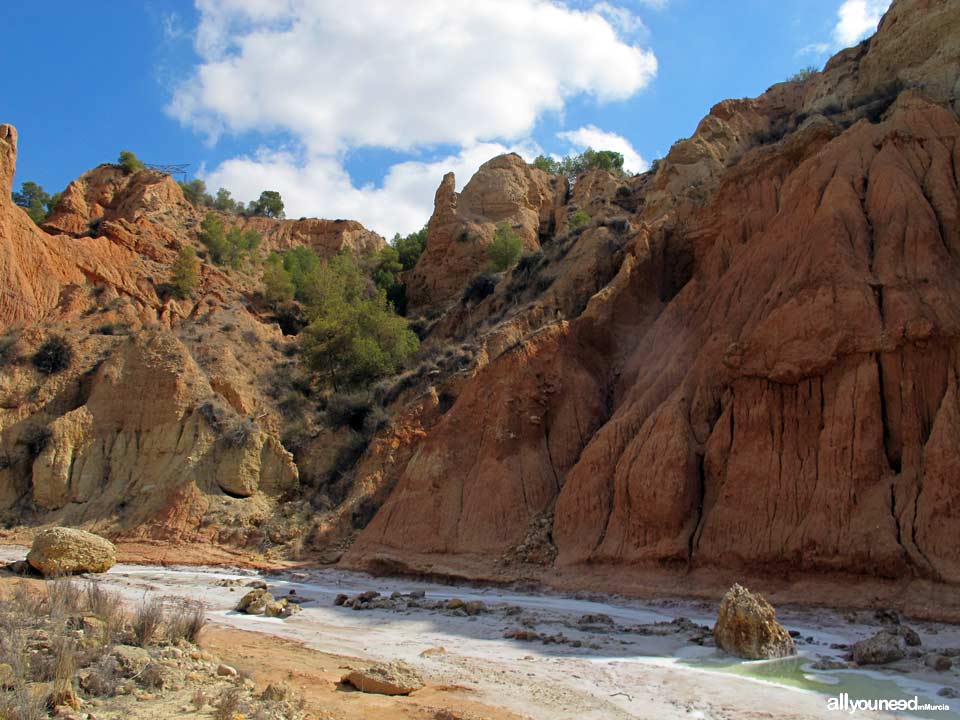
[349, 409]
[480, 287]
[354, 337]
[185, 274]
[55, 355]
[64, 597]
[410, 247]
[195, 191]
[225, 203]
[804, 74]
[38, 203]
[185, 622]
[227, 247]
[130, 162]
[574, 165]
[269, 204]
[147, 621]
[241, 433]
[230, 705]
[505, 249]
[112, 329]
[579, 220]
[8, 350]
[655, 165]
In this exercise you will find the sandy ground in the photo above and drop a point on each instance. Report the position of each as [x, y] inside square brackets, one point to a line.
[616, 673]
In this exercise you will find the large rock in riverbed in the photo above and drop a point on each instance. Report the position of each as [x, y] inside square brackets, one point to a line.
[394, 678]
[255, 602]
[882, 648]
[747, 627]
[65, 551]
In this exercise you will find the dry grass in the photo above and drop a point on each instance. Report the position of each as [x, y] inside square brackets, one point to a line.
[22, 704]
[184, 622]
[147, 621]
[230, 704]
[64, 598]
[199, 699]
[108, 607]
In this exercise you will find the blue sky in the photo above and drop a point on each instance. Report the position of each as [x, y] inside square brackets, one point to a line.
[356, 110]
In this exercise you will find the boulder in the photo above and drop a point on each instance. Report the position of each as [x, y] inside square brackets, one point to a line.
[255, 602]
[747, 627]
[940, 663]
[129, 660]
[282, 608]
[882, 648]
[395, 678]
[65, 551]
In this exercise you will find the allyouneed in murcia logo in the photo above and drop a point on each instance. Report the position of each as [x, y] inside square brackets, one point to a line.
[844, 703]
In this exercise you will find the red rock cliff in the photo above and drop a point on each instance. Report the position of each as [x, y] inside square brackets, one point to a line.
[771, 379]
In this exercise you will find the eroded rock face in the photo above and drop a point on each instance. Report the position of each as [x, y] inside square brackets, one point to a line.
[326, 237]
[142, 438]
[769, 380]
[747, 627]
[504, 190]
[66, 551]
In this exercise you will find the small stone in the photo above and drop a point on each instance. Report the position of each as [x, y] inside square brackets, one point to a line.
[454, 604]
[940, 663]
[340, 599]
[226, 671]
[276, 692]
[910, 636]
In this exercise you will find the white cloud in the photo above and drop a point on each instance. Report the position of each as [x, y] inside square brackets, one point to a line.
[856, 19]
[593, 137]
[320, 186]
[817, 48]
[401, 75]
[405, 76]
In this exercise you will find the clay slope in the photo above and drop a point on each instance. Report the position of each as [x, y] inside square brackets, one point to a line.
[769, 382]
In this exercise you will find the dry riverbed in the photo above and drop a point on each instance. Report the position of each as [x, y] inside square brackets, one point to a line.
[508, 654]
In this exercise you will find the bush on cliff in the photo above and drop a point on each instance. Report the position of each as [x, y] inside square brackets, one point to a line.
[354, 336]
[574, 165]
[505, 249]
[195, 191]
[130, 162]
[53, 356]
[36, 201]
[269, 204]
[227, 247]
[185, 273]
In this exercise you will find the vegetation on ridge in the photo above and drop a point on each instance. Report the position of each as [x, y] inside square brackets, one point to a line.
[36, 201]
[574, 165]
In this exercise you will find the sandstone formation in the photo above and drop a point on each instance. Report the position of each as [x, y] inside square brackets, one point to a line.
[326, 237]
[395, 678]
[747, 627]
[504, 190]
[747, 360]
[255, 602]
[767, 380]
[66, 551]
